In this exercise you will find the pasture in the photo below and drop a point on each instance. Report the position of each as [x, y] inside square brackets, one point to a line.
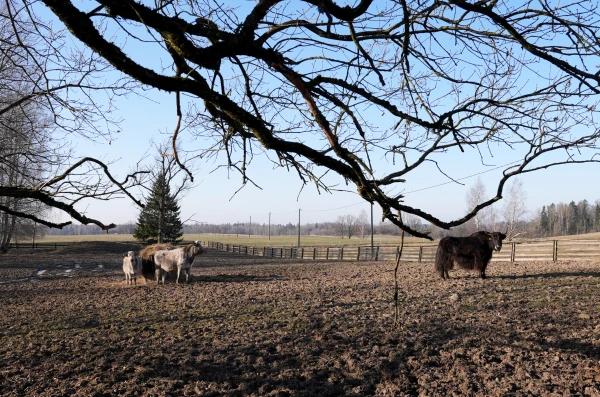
[254, 240]
[269, 327]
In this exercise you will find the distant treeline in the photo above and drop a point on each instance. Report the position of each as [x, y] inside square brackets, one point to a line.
[319, 229]
[551, 220]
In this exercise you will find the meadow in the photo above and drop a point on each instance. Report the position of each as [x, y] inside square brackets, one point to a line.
[253, 240]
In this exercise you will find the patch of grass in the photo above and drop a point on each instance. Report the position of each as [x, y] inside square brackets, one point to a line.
[252, 241]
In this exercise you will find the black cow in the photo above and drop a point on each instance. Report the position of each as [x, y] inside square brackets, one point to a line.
[473, 252]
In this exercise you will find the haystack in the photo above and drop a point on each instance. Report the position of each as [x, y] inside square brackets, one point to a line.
[148, 252]
[147, 255]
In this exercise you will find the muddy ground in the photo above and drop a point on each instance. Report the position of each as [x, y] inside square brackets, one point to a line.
[265, 327]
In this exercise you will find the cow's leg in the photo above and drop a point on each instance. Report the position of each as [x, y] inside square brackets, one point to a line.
[134, 280]
[447, 275]
[178, 273]
[187, 275]
[157, 273]
[164, 276]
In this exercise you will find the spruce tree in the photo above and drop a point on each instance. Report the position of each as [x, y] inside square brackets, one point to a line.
[573, 222]
[159, 221]
[544, 221]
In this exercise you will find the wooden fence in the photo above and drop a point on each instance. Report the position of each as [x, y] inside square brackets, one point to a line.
[551, 250]
[37, 245]
[354, 253]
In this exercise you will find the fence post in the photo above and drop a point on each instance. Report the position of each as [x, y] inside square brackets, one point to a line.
[397, 253]
[377, 254]
[302, 253]
[358, 255]
[420, 253]
[314, 253]
[512, 252]
[555, 251]
[342, 254]
[327, 255]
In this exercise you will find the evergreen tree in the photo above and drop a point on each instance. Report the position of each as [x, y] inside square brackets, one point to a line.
[573, 221]
[544, 221]
[159, 221]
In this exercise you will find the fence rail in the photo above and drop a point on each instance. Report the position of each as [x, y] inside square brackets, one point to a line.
[551, 250]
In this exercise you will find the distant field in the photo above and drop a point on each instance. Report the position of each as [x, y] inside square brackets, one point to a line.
[254, 240]
[277, 241]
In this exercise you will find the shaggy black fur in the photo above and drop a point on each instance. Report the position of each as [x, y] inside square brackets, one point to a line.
[473, 252]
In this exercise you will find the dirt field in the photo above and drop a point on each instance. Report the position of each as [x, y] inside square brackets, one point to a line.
[253, 326]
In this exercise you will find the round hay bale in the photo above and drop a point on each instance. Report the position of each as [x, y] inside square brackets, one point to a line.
[147, 256]
[148, 252]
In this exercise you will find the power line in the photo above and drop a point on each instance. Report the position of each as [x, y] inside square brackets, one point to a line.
[412, 191]
[333, 209]
[464, 177]
[285, 213]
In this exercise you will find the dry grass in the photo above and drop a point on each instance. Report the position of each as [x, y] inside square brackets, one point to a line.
[150, 250]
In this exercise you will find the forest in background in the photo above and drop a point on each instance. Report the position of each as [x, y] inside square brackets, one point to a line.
[551, 220]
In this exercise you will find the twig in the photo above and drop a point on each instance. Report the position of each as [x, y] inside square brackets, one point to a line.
[396, 308]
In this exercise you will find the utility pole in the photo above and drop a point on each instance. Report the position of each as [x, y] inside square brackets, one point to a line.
[269, 226]
[371, 227]
[298, 227]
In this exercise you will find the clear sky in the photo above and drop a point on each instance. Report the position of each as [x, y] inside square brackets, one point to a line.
[212, 200]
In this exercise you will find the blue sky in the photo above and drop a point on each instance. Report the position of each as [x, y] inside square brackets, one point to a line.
[211, 200]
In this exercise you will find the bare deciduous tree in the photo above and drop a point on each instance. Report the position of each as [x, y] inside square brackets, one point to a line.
[341, 225]
[351, 225]
[45, 98]
[363, 223]
[514, 208]
[475, 195]
[323, 87]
